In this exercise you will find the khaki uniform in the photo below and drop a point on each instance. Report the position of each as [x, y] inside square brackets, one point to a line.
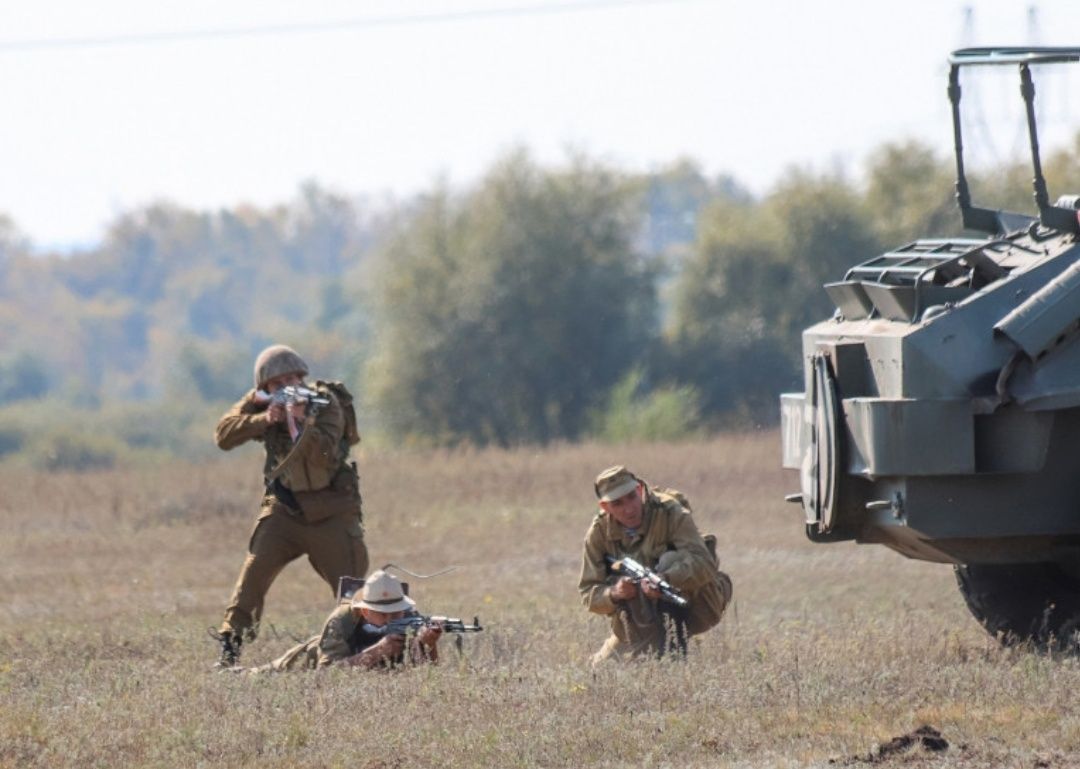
[341, 638]
[329, 646]
[669, 536]
[314, 508]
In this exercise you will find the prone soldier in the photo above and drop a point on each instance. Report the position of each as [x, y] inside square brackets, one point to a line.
[367, 631]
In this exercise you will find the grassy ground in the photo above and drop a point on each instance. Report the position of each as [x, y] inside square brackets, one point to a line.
[108, 582]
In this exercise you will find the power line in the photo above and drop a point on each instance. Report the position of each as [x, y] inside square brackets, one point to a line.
[340, 25]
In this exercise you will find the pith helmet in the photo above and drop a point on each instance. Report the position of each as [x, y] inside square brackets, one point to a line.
[275, 361]
[383, 592]
[615, 482]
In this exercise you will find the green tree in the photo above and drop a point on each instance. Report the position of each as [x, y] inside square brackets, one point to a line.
[825, 228]
[506, 315]
[674, 198]
[910, 194]
[634, 412]
[1010, 187]
[729, 311]
[207, 372]
[325, 232]
[1062, 169]
[754, 282]
[23, 376]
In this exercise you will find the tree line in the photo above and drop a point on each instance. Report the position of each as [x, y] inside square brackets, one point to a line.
[536, 304]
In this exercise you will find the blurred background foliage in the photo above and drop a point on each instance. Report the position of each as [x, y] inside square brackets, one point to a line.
[537, 304]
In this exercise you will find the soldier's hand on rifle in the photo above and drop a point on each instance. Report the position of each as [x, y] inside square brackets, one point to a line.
[387, 648]
[429, 635]
[623, 590]
[297, 409]
[276, 413]
[650, 590]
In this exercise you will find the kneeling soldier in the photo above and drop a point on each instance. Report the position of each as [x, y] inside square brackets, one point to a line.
[653, 527]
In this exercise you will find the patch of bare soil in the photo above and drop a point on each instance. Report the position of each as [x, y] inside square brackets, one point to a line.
[925, 739]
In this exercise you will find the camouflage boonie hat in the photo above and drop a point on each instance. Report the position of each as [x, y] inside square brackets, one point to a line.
[276, 360]
[614, 482]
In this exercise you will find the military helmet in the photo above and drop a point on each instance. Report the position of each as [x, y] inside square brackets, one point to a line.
[277, 360]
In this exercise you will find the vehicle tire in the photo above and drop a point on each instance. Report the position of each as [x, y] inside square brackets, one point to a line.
[1036, 603]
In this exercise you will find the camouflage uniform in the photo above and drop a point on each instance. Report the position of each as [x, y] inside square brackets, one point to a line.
[312, 508]
[669, 542]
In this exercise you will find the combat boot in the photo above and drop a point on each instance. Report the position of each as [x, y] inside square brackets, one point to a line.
[230, 648]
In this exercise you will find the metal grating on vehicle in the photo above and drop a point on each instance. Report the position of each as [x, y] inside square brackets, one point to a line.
[935, 262]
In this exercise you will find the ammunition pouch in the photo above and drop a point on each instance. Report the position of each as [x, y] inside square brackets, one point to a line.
[341, 497]
[707, 605]
[283, 495]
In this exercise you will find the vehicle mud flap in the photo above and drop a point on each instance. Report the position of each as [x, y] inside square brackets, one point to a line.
[821, 463]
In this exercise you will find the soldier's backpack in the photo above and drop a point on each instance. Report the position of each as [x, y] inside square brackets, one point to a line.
[345, 398]
[708, 610]
[678, 496]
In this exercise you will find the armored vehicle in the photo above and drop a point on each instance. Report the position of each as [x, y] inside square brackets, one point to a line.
[941, 415]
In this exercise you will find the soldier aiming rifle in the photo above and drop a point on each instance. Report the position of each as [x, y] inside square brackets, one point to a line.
[377, 627]
[312, 502]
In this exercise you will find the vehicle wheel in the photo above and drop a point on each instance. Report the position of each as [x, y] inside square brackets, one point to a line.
[1037, 603]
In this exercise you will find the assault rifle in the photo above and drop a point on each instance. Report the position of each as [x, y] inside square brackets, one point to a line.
[294, 394]
[634, 571]
[414, 622]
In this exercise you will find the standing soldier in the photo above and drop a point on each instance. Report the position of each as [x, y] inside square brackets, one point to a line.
[312, 502]
[653, 527]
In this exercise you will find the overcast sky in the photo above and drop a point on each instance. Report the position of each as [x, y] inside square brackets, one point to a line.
[113, 104]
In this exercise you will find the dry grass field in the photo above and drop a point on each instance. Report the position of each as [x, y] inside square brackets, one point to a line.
[108, 582]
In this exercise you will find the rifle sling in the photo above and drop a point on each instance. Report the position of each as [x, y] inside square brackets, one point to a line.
[294, 452]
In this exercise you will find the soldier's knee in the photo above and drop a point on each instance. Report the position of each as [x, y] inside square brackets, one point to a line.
[613, 649]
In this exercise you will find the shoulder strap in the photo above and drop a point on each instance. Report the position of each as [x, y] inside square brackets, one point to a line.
[669, 493]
